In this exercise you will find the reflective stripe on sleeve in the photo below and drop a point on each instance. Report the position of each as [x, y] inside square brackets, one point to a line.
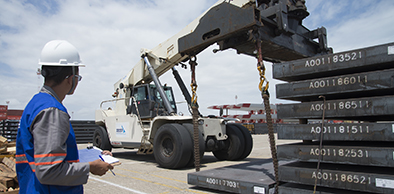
[42, 159]
[21, 159]
[48, 159]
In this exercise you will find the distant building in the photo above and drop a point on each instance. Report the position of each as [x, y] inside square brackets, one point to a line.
[8, 114]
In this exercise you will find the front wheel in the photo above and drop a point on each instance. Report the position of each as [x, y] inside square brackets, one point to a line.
[172, 146]
[100, 139]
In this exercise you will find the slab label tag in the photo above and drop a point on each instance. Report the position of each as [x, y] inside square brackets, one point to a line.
[384, 183]
[390, 50]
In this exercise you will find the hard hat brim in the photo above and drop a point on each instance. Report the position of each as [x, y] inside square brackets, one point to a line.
[63, 65]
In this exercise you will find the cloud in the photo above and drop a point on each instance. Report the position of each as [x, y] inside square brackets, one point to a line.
[352, 24]
[369, 29]
[110, 34]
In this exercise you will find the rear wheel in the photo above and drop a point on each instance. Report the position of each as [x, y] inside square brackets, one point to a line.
[172, 146]
[234, 145]
[248, 141]
[101, 140]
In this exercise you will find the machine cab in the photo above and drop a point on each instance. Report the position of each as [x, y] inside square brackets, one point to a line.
[149, 101]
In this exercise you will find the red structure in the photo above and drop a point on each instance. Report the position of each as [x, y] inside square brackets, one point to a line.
[256, 112]
[7, 114]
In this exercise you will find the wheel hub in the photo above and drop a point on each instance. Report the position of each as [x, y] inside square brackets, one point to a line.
[98, 140]
[168, 147]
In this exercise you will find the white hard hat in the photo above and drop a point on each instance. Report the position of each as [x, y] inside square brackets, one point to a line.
[60, 53]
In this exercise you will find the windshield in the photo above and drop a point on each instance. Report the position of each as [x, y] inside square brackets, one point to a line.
[169, 94]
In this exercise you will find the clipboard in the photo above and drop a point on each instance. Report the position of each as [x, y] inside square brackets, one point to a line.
[92, 153]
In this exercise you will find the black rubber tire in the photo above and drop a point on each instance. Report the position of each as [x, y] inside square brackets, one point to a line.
[201, 143]
[101, 140]
[235, 145]
[172, 146]
[248, 141]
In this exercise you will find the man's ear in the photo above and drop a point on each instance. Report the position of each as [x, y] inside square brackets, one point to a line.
[69, 80]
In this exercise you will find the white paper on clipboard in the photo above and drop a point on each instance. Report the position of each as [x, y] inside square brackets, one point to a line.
[89, 155]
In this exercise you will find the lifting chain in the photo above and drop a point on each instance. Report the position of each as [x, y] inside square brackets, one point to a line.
[261, 69]
[193, 85]
[265, 96]
[320, 141]
[195, 113]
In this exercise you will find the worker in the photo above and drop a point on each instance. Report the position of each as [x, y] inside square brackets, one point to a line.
[47, 158]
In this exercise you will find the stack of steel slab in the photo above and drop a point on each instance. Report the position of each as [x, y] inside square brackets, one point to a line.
[1, 126]
[84, 130]
[10, 129]
[357, 152]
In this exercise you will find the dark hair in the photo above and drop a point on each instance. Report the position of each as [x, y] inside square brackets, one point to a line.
[57, 74]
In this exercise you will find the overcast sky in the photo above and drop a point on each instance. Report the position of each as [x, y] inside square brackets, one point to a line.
[110, 34]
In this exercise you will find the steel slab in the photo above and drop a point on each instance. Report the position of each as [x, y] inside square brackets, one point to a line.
[291, 188]
[376, 83]
[338, 132]
[354, 61]
[371, 109]
[356, 153]
[253, 177]
[348, 177]
[262, 128]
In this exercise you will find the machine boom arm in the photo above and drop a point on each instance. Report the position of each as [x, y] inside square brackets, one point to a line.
[236, 24]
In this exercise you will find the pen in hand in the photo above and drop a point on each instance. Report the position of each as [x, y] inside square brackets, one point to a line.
[104, 161]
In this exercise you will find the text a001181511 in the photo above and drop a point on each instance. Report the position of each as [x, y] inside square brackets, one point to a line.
[342, 129]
